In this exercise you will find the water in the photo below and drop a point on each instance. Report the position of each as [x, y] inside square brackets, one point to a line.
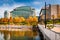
[1, 36]
[19, 35]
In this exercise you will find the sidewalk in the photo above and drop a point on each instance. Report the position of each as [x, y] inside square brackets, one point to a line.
[50, 34]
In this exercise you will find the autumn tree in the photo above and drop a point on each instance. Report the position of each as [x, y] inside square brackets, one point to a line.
[16, 20]
[10, 20]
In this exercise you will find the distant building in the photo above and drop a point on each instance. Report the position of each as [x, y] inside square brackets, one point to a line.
[51, 11]
[6, 14]
[23, 11]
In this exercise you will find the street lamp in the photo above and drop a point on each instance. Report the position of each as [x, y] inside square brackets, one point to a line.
[53, 20]
[45, 14]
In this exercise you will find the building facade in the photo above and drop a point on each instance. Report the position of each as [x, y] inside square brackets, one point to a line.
[52, 11]
[24, 11]
[6, 14]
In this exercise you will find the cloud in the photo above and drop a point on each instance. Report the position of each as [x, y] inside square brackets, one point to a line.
[37, 12]
[8, 8]
[36, 2]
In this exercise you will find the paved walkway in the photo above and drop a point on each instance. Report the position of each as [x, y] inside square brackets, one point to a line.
[50, 34]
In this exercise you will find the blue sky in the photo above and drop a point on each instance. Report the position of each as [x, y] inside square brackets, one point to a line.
[9, 5]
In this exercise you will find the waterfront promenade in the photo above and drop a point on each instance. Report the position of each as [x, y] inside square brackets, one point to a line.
[50, 34]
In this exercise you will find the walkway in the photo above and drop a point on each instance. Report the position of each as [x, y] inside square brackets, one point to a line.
[50, 34]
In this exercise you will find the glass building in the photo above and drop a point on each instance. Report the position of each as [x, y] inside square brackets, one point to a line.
[6, 14]
[24, 11]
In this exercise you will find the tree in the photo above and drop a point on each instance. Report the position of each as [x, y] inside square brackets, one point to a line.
[30, 19]
[35, 19]
[10, 20]
[3, 21]
[16, 20]
[22, 19]
[53, 19]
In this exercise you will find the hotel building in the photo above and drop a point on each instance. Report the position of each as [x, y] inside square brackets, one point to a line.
[51, 11]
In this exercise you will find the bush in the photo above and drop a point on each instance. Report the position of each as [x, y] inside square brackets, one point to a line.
[49, 21]
[50, 26]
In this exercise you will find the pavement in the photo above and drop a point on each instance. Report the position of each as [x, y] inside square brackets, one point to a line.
[53, 34]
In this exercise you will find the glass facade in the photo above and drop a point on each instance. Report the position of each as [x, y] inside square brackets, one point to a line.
[5, 14]
[24, 11]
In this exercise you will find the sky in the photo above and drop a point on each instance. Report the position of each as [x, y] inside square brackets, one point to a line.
[9, 5]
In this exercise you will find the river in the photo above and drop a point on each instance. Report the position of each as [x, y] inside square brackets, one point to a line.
[19, 35]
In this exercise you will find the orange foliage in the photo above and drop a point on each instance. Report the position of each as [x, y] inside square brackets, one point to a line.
[11, 19]
[4, 20]
[16, 19]
[22, 19]
[30, 20]
[35, 19]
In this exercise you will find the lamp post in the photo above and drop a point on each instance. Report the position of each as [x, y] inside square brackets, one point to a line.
[53, 20]
[45, 14]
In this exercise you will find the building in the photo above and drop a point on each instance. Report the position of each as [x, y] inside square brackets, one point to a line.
[52, 11]
[23, 11]
[6, 14]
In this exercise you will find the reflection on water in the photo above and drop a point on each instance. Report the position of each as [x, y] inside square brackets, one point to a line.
[19, 35]
[1, 36]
